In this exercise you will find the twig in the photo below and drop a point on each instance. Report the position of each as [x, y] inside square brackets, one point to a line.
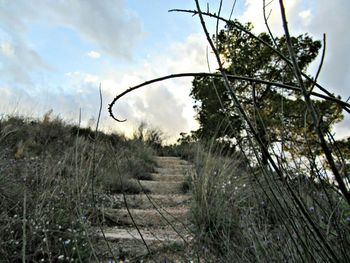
[321, 63]
[94, 171]
[316, 119]
[24, 223]
[94, 149]
[232, 9]
[264, 150]
[217, 24]
[266, 22]
[128, 209]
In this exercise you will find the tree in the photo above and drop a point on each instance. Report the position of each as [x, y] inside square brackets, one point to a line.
[276, 114]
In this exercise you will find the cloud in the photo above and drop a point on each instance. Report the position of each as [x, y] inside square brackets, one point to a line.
[108, 24]
[18, 62]
[93, 54]
[168, 104]
[331, 18]
[81, 77]
[164, 105]
[114, 31]
[7, 49]
[305, 17]
[297, 15]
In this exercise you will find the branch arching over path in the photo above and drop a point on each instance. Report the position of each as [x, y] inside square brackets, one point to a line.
[344, 105]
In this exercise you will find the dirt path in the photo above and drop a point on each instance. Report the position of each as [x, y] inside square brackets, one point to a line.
[161, 218]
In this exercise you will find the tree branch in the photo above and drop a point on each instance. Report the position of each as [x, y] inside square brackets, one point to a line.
[341, 103]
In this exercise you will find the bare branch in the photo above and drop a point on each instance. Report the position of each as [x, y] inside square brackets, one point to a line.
[344, 105]
[266, 18]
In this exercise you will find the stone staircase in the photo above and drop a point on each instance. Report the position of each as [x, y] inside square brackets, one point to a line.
[158, 228]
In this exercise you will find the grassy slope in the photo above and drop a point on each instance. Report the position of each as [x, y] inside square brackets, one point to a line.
[48, 171]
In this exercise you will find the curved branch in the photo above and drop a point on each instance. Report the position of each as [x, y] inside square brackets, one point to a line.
[341, 103]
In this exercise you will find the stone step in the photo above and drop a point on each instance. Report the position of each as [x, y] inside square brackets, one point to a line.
[142, 202]
[128, 242]
[170, 161]
[172, 171]
[163, 187]
[176, 166]
[166, 191]
[149, 234]
[168, 177]
[148, 217]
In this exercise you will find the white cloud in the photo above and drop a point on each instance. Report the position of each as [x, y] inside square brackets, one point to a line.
[296, 14]
[18, 62]
[165, 105]
[305, 16]
[7, 49]
[108, 24]
[82, 77]
[93, 54]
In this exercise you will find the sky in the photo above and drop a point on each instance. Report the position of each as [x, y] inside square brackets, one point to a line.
[54, 55]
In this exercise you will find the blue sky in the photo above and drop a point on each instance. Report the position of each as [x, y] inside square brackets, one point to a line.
[54, 54]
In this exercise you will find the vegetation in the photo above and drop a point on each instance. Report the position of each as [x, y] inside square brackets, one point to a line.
[243, 215]
[53, 176]
[272, 183]
[264, 189]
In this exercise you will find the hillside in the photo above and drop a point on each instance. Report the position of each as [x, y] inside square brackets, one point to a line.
[67, 194]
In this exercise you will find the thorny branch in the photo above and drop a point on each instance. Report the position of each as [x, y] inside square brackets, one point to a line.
[341, 103]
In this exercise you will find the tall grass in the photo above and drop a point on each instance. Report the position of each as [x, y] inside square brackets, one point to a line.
[47, 212]
[242, 216]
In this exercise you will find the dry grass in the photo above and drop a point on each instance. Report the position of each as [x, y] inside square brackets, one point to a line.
[47, 172]
[242, 216]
